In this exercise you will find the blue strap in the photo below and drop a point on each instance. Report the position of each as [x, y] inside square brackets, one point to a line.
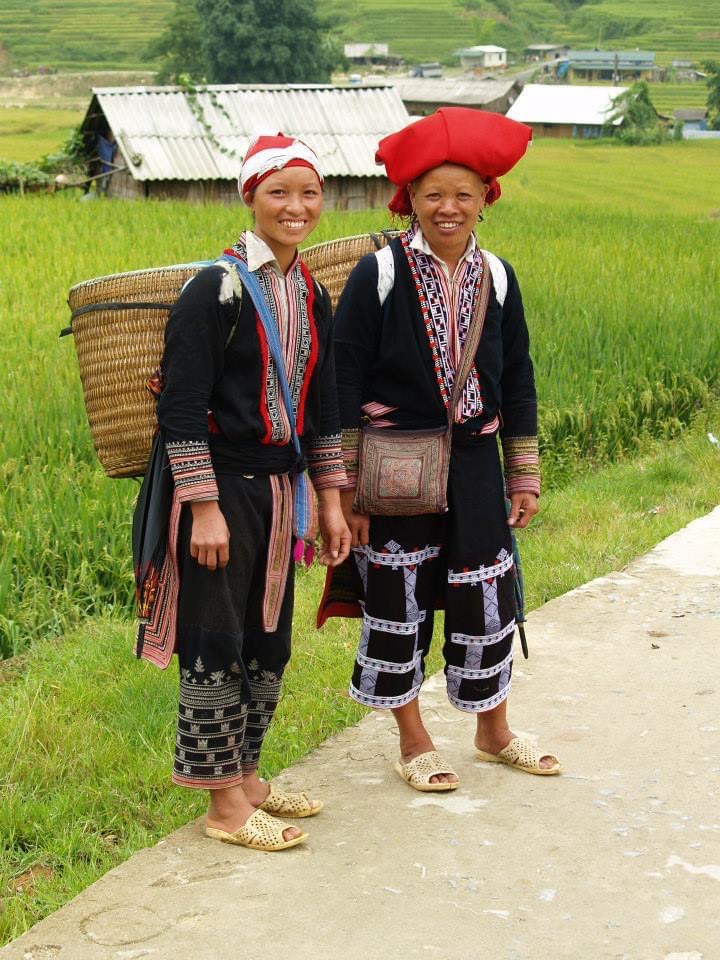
[272, 333]
[251, 284]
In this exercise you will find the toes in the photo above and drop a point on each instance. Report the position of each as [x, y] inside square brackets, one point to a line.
[291, 833]
[547, 761]
[443, 778]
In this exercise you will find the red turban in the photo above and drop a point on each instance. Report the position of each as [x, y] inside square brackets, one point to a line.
[488, 143]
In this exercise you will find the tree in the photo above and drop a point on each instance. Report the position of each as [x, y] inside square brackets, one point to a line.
[180, 44]
[712, 71]
[640, 121]
[264, 41]
[246, 41]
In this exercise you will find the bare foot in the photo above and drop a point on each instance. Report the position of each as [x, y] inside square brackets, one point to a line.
[408, 752]
[493, 742]
[230, 810]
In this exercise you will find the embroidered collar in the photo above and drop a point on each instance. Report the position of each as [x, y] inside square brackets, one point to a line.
[419, 243]
[259, 253]
[446, 318]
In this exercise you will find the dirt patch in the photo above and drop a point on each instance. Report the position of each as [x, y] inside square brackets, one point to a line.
[12, 668]
[68, 86]
[26, 882]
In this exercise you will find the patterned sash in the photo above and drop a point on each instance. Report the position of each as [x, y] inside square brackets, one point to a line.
[446, 333]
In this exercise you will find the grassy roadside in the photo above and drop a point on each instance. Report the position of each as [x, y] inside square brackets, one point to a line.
[88, 731]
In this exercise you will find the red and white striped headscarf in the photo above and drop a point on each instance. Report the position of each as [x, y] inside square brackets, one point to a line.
[268, 154]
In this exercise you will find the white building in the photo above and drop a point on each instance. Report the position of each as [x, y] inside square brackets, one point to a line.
[484, 57]
[565, 111]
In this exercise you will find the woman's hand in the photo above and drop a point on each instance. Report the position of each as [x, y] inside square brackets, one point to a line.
[333, 529]
[523, 507]
[358, 523]
[210, 537]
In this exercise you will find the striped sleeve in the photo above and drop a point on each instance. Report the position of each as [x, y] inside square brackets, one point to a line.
[192, 470]
[522, 465]
[325, 462]
[351, 455]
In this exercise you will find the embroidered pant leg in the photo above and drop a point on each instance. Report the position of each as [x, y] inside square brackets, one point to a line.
[265, 656]
[479, 596]
[399, 571]
[214, 610]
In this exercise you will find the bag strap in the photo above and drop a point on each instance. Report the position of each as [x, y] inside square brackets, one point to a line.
[250, 282]
[467, 357]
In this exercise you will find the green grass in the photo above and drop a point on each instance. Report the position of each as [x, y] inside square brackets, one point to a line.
[28, 133]
[667, 97]
[672, 28]
[616, 252]
[88, 731]
[81, 34]
[78, 34]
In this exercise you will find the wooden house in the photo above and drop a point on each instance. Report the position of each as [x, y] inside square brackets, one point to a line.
[173, 143]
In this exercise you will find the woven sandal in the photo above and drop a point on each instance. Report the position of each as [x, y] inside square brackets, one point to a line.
[293, 805]
[259, 832]
[523, 755]
[417, 772]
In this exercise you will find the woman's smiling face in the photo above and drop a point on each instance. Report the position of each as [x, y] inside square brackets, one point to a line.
[287, 206]
[447, 201]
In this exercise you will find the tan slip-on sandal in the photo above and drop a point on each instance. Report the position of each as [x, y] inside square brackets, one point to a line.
[522, 754]
[293, 805]
[259, 832]
[417, 772]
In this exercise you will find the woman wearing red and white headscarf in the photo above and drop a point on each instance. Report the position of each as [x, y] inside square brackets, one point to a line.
[221, 595]
[400, 328]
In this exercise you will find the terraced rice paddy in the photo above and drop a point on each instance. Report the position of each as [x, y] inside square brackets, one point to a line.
[80, 34]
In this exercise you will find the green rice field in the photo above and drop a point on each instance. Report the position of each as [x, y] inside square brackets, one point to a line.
[671, 28]
[616, 250]
[29, 133]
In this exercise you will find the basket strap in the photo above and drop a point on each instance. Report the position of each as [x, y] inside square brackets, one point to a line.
[302, 513]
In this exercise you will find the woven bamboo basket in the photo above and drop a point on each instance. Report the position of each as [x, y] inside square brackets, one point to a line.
[118, 324]
[331, 262]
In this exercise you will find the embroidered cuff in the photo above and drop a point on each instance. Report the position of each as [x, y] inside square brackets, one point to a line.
[522, 464]
[350, 455]
[192, 470]
[325, 462]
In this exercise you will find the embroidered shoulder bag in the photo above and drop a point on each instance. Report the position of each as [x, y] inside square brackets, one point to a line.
[405, 472]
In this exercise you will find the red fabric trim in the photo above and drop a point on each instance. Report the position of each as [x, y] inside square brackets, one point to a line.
[348, 608]
[255, 181]
[337, 608]
[216, 784]
[264, 359]
[160, 636]
[313, 358]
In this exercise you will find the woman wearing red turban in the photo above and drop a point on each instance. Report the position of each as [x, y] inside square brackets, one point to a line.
[400, 327]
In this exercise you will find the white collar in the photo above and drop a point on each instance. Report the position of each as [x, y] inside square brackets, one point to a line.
[419, 242]
[259, 253]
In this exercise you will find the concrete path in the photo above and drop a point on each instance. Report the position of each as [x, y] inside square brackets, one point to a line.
[618, 858]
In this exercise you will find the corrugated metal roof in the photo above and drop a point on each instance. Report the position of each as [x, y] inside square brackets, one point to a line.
[607, 58]
[161, 135]
[466, 92]
[543, 103]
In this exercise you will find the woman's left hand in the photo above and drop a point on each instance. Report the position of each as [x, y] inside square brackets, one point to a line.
[523, 507]
[334, 531]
